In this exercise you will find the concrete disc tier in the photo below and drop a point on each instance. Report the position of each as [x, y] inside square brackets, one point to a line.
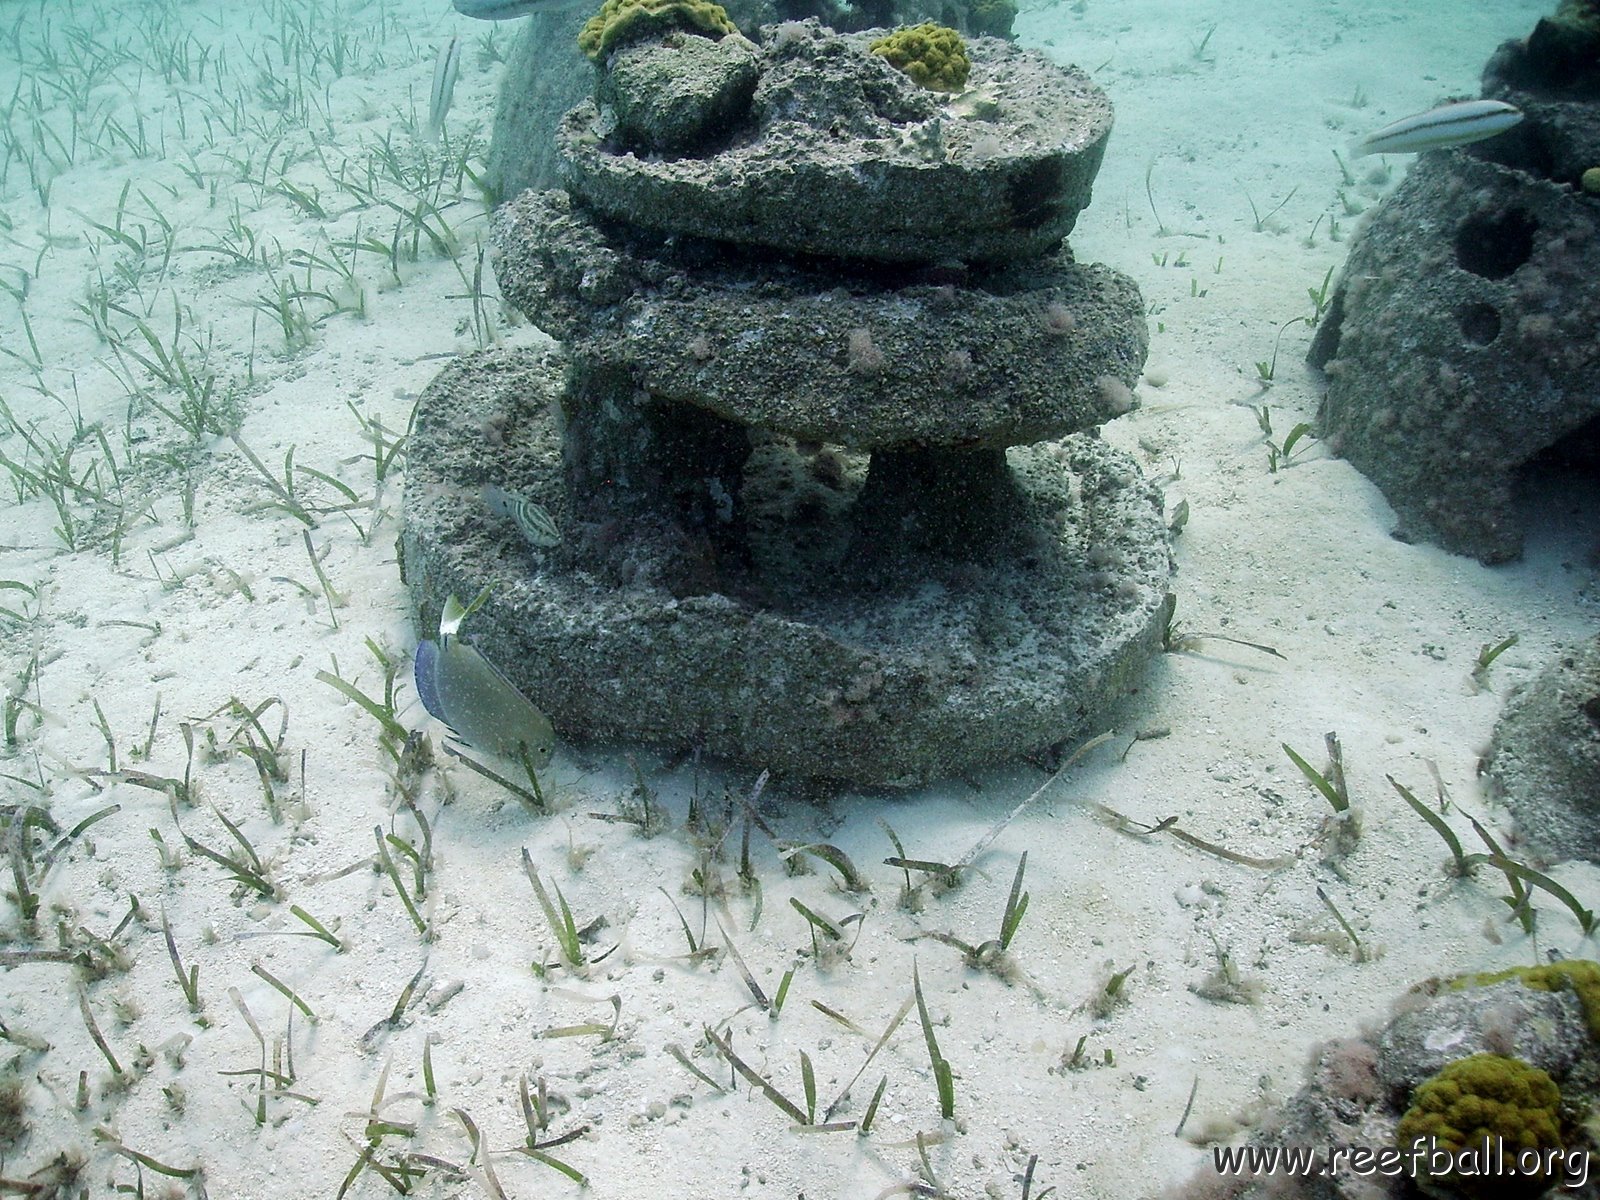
[789, 657]
[841, 155]
[1001, 358]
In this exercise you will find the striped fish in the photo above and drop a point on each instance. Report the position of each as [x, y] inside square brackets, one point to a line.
[481, 706]
[1448, 125]
[533, 520]
[509, 10]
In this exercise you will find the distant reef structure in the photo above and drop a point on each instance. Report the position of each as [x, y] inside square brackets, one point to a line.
[1460, 346]
[1544, 761]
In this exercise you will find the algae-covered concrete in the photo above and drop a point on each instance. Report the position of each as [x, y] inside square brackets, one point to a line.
[797, 660]
[1545, 759]
[840, 154]
[1460, 344]
[822, 512]
[862, 359]
[545, 74]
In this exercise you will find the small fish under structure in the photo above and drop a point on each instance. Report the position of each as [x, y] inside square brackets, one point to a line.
[483, 708]
[445, 71]
[532, 519]
[1456, 124]
[510, 10]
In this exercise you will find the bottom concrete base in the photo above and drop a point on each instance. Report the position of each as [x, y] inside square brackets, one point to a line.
[753, 626]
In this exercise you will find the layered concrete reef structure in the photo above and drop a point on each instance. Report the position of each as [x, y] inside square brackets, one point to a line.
[817, 443]
[1460, 343]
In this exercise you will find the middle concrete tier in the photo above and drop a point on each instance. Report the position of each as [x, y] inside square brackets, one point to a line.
[877, 359]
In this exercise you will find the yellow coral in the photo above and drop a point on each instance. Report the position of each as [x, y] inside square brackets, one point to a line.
[1491, 1105]
[933, 55]
[620, 21]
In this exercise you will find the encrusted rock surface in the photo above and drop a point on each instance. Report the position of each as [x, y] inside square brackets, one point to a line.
[842, 155]
[1553, 75]
[678, 93]
[545, 74]
[1460, 346]
[1360, 1086]
[1438, 1025]
[800, 655]
[865, 361]
[1545, 758]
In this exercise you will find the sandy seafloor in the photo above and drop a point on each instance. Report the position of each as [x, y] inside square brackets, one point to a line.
[1214, 101]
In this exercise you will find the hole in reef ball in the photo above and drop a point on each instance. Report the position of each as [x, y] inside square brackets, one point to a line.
[1480, 323]
[1495, 244]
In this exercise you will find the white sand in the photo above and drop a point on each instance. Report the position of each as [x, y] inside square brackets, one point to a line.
[1378, 638]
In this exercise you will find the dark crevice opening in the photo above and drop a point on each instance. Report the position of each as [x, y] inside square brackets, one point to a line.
[1325, 342]
[1524, 148]
[1479, 322]
[1558, 493]
[1493, 245]
[1577, 451]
